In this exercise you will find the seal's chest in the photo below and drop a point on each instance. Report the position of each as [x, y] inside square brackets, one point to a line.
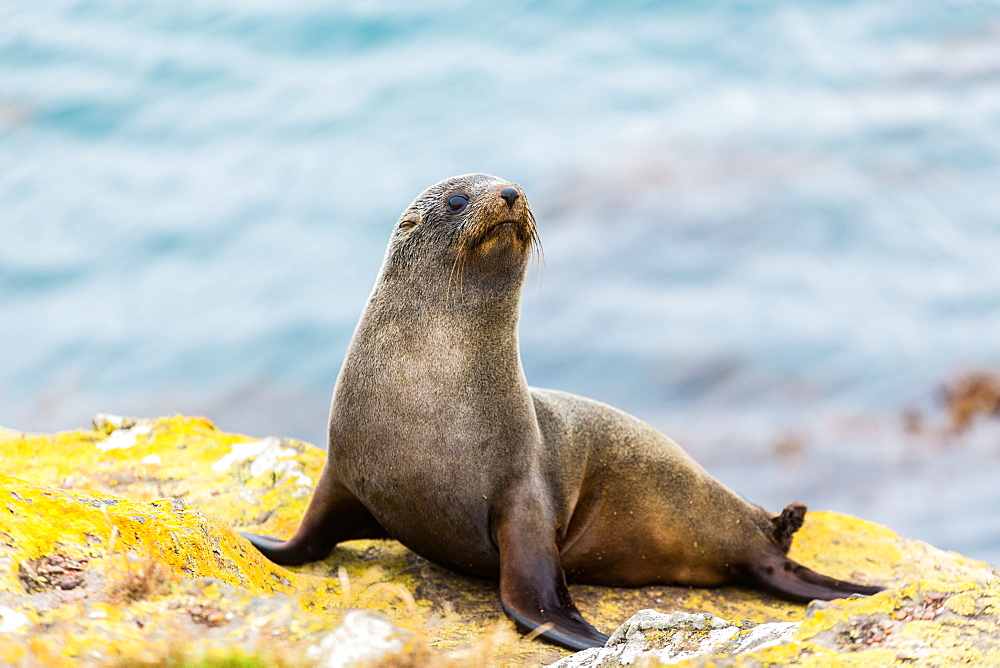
[447, 522]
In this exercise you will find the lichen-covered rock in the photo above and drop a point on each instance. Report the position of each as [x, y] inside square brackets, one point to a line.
[928, 622]
[118, 545]
[94, 579]
[655, 637]
[939, 624]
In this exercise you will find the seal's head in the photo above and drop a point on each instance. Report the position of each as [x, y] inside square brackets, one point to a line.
[472, 226]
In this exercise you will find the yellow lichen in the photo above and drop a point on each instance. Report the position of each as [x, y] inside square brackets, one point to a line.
[830, 543]
[71, 492]
[41, 521]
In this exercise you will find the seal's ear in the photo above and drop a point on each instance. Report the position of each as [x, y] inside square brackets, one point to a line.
[410, 219]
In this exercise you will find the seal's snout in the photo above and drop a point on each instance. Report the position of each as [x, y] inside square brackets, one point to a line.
[510, 195]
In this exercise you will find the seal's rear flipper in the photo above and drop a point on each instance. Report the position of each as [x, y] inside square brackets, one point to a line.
[792, 581]
[786, 524]
[533, 589]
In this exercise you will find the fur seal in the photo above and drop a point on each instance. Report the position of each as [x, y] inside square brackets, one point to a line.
[436, 440]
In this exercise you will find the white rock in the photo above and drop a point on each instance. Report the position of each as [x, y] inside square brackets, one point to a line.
[240, 452]
[687, 636]
[362, 637]
[766, 635]
[12, 620]
[269, 456]
[104, 420]
[124, 438]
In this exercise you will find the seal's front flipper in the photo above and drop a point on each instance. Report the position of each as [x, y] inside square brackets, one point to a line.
[793, 581]
[533, 588]
[571, 632]
[334, 515]
[274, 549]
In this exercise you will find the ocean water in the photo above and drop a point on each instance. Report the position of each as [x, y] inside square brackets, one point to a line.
[761, 221]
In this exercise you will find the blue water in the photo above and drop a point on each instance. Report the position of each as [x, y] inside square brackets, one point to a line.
[787, 210]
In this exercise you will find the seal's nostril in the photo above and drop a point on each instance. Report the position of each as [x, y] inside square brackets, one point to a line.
[510, 194]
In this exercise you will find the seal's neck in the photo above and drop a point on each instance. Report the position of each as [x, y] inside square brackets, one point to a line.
[422, 323]
[445, 359]
[483, 300]
[481, 314]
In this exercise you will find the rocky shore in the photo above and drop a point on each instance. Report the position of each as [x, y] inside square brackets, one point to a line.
[119, 546]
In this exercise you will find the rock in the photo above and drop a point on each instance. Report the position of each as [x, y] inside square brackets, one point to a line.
[362, 637]
[927, 623]
[675, 637]
[119, 545]
[12, 620]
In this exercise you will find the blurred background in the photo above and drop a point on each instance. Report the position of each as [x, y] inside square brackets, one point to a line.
[772, 230]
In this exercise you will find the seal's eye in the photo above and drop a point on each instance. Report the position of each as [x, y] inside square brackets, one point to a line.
[457, 202]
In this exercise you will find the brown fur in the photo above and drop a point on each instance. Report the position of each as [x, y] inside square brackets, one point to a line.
[437, 440]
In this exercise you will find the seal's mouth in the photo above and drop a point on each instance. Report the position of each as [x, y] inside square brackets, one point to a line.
[519, 232]
[495, 226]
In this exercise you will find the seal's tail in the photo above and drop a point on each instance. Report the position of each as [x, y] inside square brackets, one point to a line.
[780, 575]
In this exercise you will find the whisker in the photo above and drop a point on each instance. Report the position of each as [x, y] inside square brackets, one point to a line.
[537, 253]
[457, 271]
